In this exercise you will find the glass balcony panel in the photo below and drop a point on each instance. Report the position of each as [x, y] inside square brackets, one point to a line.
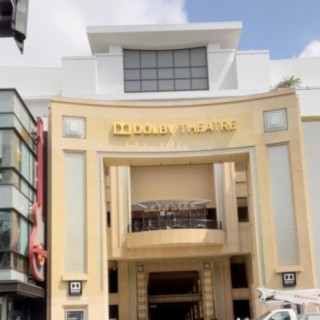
[6, 98]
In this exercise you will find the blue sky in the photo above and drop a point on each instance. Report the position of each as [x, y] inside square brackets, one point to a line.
[284, 27]
[57, 28]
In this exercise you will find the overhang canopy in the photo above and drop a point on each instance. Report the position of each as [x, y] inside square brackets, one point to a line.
[161, 37]
[22, 289]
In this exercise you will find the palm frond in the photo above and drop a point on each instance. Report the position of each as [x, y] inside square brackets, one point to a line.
[288, 82]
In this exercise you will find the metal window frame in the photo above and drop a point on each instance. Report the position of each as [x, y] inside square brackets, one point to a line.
[174, 68]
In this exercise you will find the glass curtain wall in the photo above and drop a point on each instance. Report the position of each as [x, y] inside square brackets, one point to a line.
[17, 177]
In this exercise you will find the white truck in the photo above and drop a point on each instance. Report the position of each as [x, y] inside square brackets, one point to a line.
[295, 297]
[288, 314]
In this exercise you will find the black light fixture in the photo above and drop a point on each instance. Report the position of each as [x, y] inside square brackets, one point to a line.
[13, 20]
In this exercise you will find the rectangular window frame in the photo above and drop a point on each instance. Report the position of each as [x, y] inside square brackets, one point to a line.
[75, 312]
[15, 233]
[181, 76]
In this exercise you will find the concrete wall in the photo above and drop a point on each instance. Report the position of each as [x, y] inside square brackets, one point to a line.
[253, 70]
[108, 153]
[100, 77]
[311, 129]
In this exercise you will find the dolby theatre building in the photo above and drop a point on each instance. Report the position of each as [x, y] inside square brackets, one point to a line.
[178, 180]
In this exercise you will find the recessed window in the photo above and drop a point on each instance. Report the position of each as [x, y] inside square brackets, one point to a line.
[239, 275]
[113, 280]
[113, 312]
[167, 70]
[243, 214]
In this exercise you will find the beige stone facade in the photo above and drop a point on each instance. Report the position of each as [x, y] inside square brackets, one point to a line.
[192, 204]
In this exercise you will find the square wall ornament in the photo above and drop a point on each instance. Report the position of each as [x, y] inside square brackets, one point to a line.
[289, 279]
[75, 288]
[74, 127]
[275, 120]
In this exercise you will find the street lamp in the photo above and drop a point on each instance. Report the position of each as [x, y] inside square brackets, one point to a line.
[13, 20]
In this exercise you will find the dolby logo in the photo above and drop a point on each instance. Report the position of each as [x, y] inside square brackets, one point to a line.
[127, 129]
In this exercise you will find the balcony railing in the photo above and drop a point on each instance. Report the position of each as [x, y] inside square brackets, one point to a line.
[149, 225]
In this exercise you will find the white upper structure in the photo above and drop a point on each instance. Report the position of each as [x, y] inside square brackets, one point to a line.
[104, 75]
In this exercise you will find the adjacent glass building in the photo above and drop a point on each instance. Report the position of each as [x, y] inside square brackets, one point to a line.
[20, 294]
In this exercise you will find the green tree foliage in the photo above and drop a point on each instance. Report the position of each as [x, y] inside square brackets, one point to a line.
[287, 82]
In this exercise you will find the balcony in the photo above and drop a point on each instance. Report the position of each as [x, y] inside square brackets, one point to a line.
[167, 224]
[173, 222]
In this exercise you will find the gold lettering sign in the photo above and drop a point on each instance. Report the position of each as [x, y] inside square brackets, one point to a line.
[148, 129]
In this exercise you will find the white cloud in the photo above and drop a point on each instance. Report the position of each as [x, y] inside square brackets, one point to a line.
[311, 50]
[57, 28]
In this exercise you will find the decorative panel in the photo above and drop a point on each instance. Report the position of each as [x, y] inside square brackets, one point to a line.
[283, 212]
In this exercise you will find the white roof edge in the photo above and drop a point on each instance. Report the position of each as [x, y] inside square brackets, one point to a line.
[46, 98]
[165, 27]
[240, 52]
[78, 58]
[167, 36]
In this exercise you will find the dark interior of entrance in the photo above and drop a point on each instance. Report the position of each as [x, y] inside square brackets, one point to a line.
[241, 309]
[168, 311]
[172, 295]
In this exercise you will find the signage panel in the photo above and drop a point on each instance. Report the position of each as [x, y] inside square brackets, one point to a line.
[75, 315]
[289, 279]
[75, 288]
[148, 129]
